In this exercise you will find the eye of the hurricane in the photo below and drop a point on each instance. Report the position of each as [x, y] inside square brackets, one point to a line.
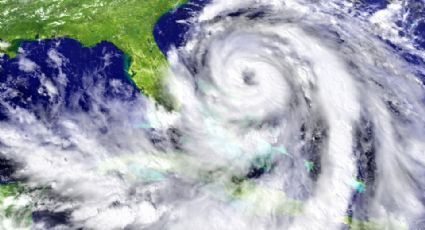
[249, 77]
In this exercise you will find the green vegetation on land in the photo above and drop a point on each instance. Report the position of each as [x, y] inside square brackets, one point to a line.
[374, 224]
[126, 23]
[15, 207]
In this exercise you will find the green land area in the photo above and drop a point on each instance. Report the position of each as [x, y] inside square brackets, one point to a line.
[126, 23]
[15, 207]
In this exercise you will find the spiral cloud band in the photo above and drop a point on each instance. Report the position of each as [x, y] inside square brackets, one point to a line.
[331, 93]
[288, 117]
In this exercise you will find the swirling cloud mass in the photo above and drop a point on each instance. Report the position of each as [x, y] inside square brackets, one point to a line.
[290, 115]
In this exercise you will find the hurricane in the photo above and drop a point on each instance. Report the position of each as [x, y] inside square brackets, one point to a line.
[290, 114]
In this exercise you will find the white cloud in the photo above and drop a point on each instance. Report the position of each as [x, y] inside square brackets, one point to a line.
[26, 65]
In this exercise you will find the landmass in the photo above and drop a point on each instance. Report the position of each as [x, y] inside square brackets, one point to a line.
[126, 23]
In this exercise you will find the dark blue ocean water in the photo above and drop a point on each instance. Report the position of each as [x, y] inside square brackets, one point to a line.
[84, 70]
[168, 32]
